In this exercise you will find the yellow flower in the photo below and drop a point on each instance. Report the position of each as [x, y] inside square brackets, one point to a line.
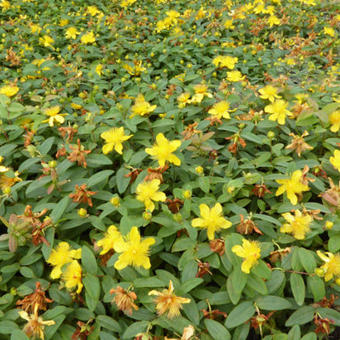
[134, 251]
[141, 107]
[220, 109]
[308, 2]
[163, 150]
[136, 69]
[278, 111]
[166, 300]
[76, 106]
[250, 251]
[5, 5]
[46, 40]
[330, 31]
[126, 3]
[7, 182]
[147, 192]
[211, 219]
[71, 33]
[63, 22]
[335, 160]
[114, 139]
[273, 20]
[229, 24]
[201, 91]
[269, 92]
[9, 90]
[35, 28]
[234, 76]
[334, 119]
[225, 61]
[55, 116]
[72, 276]
[88, 38]
[99, 69]
[110, 238]
[298, 225]
[35, 325]
[60, 256]
[183, 99]
[292, 186]
[93, 10]
[331, 268]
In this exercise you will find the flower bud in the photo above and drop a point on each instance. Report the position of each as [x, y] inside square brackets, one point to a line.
[199, 170]
[271, 134]
[52, 164]
[115, 201]
[187, 194]
[178, 217]
[82, 212]
[329, 225]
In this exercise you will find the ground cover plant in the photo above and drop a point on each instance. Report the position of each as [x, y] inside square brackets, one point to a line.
[169, 170]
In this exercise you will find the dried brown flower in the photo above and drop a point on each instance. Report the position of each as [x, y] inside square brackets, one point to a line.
[133, 174]
[82, 195]
[260, 190]
[298, 143]
[174, 205]
[213, 314]
[38, 298]
[247, 227]
[203, 268]
[78, 154]
[156, 173]
[217, 246]
[322, 324]
[124, 299]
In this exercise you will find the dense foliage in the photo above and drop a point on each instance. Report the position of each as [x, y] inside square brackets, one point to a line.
[169, 169]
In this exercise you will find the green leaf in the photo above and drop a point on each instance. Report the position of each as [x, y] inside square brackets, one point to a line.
[301, 316]
[122, 181]
[99, 177]
[46, 146]
[204, 183]
[241, 332]
[134, 329]
[96, 161]
[317, 286]
[294, 333]
[51, 330]
[298, 288]
[92, 291]
[148, 282]
[59, 209]
[216, 330]
[307, 260]
[309, 336]
[334, 243]
[18, 335]
[189, 285]
[261, 270]
[271, 303]
[280, 336]
[257, 284]
[192, 312]
[235, 284]
[7, 327]
[240, 314]
[109, 323]
[88, 260]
